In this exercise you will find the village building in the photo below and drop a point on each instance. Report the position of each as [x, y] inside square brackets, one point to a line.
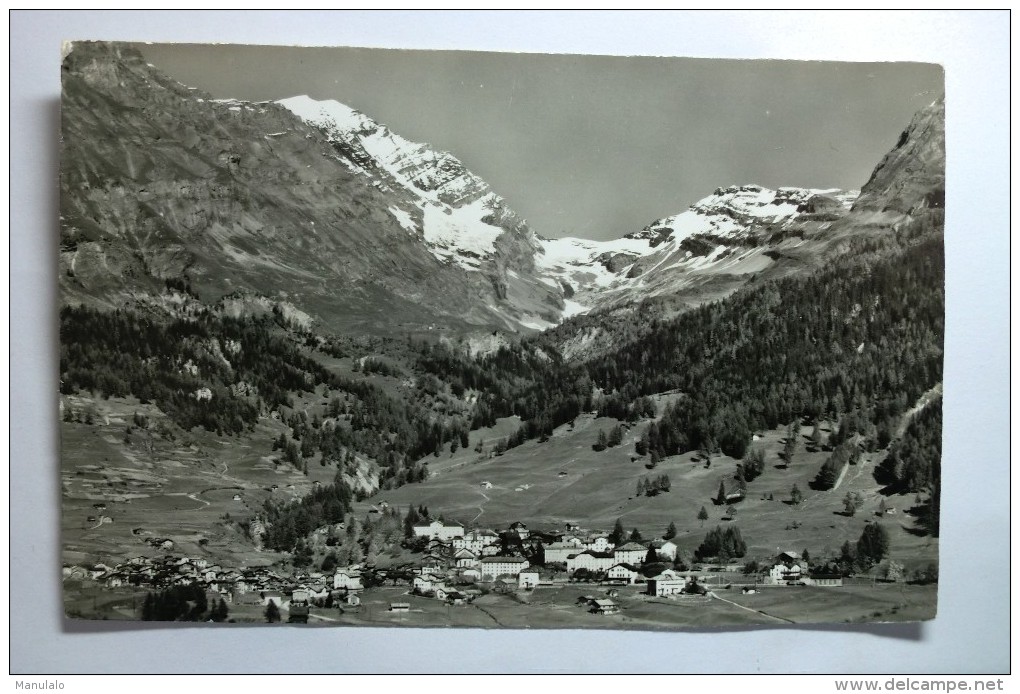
[465, 558]
[494, 567]
[557, 552]
[436, 530]
[475, 540]
[786, 571]
[631, 553]
[622, 572]
[519, 529]
[400, 607]
[598, 543]
[592, 561]
[659, 586]
[424, 583]
[664, 549]
[470, 575]
[604, 606]
[528, 578]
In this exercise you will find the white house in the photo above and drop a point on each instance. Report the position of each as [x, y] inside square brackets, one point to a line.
[622, 572]
[631, 553]
[528, 579]
[346, 579]
[598, 543]
[592, 561]
[475, 540]
[666, 586]
[423, 583]
[438, 531]
[493, 567]
[664, 549]
[783, 573]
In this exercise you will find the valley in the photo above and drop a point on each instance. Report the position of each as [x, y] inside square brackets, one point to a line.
[310, 366]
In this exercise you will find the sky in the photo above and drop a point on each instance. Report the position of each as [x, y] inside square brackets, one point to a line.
[596, 146]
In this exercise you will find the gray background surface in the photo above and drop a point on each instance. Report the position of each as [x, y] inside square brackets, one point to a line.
[971, 633]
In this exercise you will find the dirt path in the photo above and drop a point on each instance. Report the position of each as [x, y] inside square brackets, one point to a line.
[312, 615]
[481, 510]
[191, 496]
[842, 474]
[751, 609]
[922, 402]
[488, 614]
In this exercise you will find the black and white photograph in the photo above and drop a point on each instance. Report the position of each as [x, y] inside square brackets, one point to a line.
[369, 337]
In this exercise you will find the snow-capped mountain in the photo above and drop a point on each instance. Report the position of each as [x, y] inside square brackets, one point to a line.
[317, 205]
[456, 214]
[734, 231]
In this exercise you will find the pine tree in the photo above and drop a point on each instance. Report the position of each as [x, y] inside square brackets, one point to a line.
[790, 446]
[670, 531]
[702, 516]
[272, 612]
[720, 498]
[616, 537]
[635, 535]
[149, 608]
[795, 496]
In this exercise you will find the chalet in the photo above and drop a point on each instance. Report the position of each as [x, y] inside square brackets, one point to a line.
[436, 530]
[528, 578]
[441, 592]
[622, 572]
[572, 526]
[353, 599]
[664, 549]
[456, 598]
[592, 561]
[504, 585]
[494, 567]
[604, 606]
[424, 583]
[490, 550]
[115, 580]
[734, 497]
[520, 529]
[470, 575]
[486, 485]
[318, 591]
[784, 573]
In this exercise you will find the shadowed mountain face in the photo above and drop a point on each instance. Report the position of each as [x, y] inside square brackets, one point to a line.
[161, 183]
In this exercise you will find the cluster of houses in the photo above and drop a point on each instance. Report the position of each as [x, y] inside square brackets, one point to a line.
[251, 586]
[456, 565]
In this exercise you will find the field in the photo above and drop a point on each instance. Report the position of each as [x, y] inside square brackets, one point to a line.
[161, 482]
[563, 479]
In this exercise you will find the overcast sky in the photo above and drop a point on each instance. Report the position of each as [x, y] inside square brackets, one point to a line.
[596, 146]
